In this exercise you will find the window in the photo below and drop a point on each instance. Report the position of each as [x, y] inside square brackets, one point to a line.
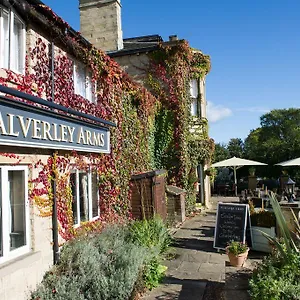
[14, 212]
[83, 85]
[194, 96]
[194, 88]
[12, 42]
[85, 205]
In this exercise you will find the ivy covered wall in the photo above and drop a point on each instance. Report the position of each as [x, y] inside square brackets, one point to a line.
[153, 129]
[181, 141]
[118, 99]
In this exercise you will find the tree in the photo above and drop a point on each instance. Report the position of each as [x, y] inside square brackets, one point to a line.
[221, 152]
[235, 147]
[278, 138]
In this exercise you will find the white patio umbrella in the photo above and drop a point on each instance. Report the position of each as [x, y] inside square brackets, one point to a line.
[236, 163]
[290, 163]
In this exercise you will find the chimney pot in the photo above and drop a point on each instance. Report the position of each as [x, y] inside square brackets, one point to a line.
[173, 38]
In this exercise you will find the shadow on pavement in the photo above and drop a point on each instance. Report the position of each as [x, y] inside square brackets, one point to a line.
[194, 244]
[191, 289]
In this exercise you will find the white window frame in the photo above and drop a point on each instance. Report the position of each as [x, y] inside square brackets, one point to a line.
[12, 49]
[7, 253]
[90, 195]
[90, 87]
[194, 92]
[194, 88]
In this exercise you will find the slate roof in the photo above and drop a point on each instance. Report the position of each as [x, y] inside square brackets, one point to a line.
[141, 42]
[138, 45]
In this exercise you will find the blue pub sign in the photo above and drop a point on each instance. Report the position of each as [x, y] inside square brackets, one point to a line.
[30, 126]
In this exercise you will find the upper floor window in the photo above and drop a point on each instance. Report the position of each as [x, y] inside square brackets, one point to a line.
[85, 205]
[14, 212]
[12, 41]
[194, 88]
[194, 95]
[83, 84]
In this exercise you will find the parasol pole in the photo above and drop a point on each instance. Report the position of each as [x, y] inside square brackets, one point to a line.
[235, 181]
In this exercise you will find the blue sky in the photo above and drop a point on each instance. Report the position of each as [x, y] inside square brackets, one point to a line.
[254, 47]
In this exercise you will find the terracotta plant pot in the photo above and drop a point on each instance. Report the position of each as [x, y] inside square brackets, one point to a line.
[239, 260]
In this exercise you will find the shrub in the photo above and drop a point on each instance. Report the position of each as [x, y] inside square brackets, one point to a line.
[263, 218]
[277, 278]
[101, 267]
[153, 273]
[110, 265]
[152, 234]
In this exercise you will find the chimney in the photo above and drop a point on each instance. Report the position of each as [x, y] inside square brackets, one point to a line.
[100, 23]
[173, 38]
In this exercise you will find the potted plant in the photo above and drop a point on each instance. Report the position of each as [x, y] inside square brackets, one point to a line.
[237, 253]
[262, 221]
[252, 171]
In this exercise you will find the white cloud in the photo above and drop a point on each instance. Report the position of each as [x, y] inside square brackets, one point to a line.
[217, 112]
[254, 109]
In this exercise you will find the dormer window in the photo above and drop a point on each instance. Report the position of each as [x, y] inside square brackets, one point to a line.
[83, 85]
[12, 42]
[194, 97]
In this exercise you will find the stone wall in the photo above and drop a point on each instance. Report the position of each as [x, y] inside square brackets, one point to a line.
[19, 276]
[135, 65]
[100, 23]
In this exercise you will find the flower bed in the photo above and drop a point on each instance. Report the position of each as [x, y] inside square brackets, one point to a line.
[115, 264]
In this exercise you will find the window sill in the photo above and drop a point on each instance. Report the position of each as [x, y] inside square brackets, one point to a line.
[20, 262]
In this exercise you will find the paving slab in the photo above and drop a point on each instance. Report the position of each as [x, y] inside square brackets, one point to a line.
[200, 272]
[195, 264]
[237, 279]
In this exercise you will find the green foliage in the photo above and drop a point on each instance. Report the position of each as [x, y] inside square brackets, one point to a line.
[153, 273]
[263, 218]
[190, 199]
[252, 171]
[200, 150]
[152, 234]
[200, 65]
[235, 147]
[100, 267]
[221, 153]
[277, 278]
[164, 139]
[289, 244]
[277, 139]
[178, 150]
[237, 248]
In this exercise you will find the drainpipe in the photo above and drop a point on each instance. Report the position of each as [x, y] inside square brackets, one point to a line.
[200, 169]
[53, 180]
[201, 182]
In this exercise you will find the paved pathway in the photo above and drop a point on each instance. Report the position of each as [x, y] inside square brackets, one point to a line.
[196, 264]
[198, 271]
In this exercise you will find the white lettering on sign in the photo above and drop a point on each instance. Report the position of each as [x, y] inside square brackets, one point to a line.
[20, 126]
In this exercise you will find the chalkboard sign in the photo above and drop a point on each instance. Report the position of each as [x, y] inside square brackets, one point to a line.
[231, 224]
